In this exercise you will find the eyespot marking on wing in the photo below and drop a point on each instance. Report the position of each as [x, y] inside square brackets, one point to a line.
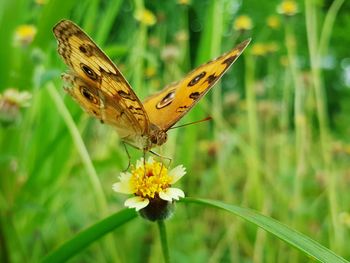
[88, 71]
[86, 49]
[181, 109]
[167, 100]
[195, 95]
[196, 79]
[88, 95]
[211, 78]
[126, 95]
[136, 110]
[229, 60]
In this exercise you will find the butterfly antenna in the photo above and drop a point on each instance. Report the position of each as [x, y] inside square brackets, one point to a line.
[190, 123]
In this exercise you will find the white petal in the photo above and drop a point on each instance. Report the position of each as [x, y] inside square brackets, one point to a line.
[139, 163]
[124, 177]
[124, 188]
[136, 202]
[176, 173]
[150, 160]
[171, 193]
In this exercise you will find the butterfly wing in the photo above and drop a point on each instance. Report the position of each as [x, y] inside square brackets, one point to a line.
[168, 106]
[97, 85]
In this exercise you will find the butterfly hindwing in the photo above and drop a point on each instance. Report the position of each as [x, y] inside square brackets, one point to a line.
[101, 90]
[92, 69]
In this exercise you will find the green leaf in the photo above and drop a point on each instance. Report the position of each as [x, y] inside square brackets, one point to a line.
[89, 235]
[285, 233]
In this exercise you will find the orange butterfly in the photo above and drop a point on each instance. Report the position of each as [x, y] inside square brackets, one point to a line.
[101, 90]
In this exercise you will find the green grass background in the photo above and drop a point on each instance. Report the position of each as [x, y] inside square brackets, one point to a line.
[278, 143]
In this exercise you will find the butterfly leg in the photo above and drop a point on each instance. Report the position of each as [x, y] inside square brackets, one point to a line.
[162, 157]
[127, 153]
[144, 162]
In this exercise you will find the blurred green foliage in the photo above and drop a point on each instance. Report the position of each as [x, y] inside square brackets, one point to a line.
[278, 143]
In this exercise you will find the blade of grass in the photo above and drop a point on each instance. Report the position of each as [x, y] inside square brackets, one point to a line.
[89, 235]
[283, 232]
[85, 157]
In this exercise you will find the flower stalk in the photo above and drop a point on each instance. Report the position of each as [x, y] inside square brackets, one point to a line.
[163, 240]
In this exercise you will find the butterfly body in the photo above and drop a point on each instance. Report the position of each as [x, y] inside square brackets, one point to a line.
[102, 91]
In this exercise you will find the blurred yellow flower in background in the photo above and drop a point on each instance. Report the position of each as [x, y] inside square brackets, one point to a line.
[243, 23]
[41, 2]
[259, 49]
[24, 35]
[273, 22]
[287, 8]
[272, 47]
[145, 17]
[183, 2]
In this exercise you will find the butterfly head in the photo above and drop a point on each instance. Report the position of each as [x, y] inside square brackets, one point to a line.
[157, 136]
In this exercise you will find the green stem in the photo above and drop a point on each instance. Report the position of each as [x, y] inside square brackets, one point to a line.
[301, 143]
[253, 185]
[163, 240]
[317, 49]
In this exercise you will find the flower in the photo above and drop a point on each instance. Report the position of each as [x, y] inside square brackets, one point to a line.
[10, 103]
[151, 182]
[259, 49]
[273, 22]
[170, 53]
[183, 2]
[287, 8]
[146, 17]
[24, 35]
[41, 2]
[150, 72]
[243, 23]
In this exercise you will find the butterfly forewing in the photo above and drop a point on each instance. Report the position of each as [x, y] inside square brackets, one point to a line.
[175, 100]
[100, 88]
[94, 78]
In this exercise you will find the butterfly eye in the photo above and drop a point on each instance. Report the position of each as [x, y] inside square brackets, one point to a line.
[88, 71]
[88, 95]
[166, 100]
[196, 79]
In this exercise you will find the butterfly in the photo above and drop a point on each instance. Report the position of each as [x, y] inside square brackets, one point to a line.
[102, 91]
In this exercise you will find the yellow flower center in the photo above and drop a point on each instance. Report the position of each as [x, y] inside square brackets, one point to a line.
[150, 179]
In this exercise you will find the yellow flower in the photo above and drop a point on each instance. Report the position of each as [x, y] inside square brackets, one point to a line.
[41, 2]
[243, 23]
[150, 72]
[24, 34]
[146, 17]
[259, 49]
[272, 47]
[344, 218]
[181, 36]
[273, 22]
[183, 2]
[288, 8]
[150, 182]
[284, 61]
